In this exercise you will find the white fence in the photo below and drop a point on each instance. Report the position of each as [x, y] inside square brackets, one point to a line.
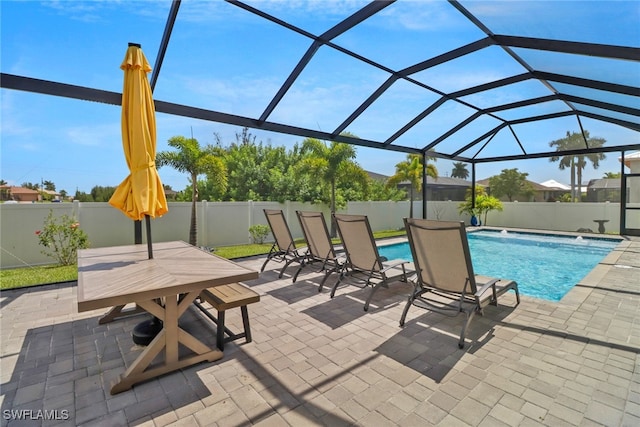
[227, 223]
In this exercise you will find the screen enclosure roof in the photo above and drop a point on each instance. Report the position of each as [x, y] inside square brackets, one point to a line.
[473, 81]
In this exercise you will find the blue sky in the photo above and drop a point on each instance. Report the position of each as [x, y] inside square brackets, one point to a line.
[219, 59]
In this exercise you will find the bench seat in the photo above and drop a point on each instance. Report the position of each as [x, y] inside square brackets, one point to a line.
[223, 298]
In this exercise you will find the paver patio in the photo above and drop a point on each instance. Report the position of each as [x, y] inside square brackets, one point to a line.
[321, 361]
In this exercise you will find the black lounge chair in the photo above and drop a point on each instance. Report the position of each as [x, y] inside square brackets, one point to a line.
[284, 248]
[320, 249]
[445, 281]
[364, 263]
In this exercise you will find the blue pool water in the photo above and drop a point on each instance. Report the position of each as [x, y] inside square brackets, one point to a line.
[545, 266]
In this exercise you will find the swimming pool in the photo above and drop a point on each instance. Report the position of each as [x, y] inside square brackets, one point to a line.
[544, 265]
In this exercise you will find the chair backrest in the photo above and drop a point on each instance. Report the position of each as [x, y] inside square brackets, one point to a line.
[441, 254]
[359, 244]
[280, 230]
[316, 233]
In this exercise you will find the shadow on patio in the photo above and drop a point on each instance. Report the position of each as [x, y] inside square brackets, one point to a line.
[321, 361]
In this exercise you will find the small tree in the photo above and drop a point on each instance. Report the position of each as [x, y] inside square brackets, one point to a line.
[62, 239]
[194, 160]
[258, 233]
[411, 170]
[485, 204]
[511, 183]
[482, 206]
[331, 163]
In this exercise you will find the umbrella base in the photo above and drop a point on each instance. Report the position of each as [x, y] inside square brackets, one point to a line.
[146, 331]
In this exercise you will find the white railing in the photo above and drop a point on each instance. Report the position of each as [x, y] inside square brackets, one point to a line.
[227, 223]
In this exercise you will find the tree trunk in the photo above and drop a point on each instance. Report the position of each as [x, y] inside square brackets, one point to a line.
[411, 201]
[579, 190]
[193, 230]
[573, 180]
[333, 208]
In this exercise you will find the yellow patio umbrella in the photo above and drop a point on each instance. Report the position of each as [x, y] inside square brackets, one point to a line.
[141, 194]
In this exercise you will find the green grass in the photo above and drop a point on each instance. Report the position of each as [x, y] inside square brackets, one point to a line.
[30, 276]
[240, 251]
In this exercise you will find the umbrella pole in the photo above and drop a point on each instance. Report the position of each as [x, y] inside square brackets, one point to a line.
[146, 331]
[149, 244]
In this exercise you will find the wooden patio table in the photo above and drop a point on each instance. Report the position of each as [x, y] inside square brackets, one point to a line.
[121, 275]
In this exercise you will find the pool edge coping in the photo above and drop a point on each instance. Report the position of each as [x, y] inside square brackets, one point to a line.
[583, 288]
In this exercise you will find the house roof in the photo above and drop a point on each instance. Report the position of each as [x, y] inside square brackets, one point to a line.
[553, 184]
[536, 186]
[629, 158]
[445, 181]
[576, 77]
[377, 176]
[604, 183]
[22, 190]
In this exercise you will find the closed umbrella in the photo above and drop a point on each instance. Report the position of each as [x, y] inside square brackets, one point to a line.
[141, 194]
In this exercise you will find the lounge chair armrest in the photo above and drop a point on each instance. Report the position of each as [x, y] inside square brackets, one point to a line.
[303, 251]
[490, 284]
[393, 264]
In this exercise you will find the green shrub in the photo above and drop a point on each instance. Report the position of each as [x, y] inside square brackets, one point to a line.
[258, 233]
[62, 240]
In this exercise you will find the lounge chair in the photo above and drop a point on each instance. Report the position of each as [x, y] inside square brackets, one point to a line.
[320, 247]
[284, 248]
[363, 260]
[445, 281]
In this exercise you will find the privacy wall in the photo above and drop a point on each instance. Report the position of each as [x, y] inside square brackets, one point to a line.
[227, 223]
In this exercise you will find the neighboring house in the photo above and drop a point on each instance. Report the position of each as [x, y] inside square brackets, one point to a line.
[552, 190]
[20, 194]
[445, 188]
[604, 190]
[542, 193]
[441, 189]
[170, 194]
[377, 176]
[536, 198]
[51, 195]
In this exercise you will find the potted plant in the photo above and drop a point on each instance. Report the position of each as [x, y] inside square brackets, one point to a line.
[483, 204]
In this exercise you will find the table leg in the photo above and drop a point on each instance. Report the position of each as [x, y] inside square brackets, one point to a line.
[169, 339]
[117, 312]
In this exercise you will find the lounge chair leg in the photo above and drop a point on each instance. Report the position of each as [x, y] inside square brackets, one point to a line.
[335, 287]
[265, 264]
[406, 310]
[295, 276]
[375, 288]
[286, 264]
[324, 279]
[284, 267]
[464, 329]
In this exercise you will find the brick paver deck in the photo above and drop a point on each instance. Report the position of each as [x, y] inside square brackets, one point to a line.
[321, 361]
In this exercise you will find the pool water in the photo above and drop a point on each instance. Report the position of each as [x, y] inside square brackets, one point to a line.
[545, 266]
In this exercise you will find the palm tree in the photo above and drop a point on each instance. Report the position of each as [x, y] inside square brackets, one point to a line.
[460, 170]
[576, 163]
[411, 170]
[194, 160]
[329, 162]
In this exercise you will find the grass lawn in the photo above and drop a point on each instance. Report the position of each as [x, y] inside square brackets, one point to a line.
[30, 276]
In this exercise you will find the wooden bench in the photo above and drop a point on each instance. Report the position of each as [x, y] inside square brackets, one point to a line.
[223, 298]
